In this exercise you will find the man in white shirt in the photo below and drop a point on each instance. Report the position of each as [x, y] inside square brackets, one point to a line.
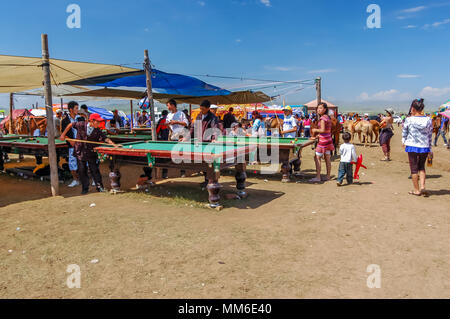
[289, 124]
[177, 121]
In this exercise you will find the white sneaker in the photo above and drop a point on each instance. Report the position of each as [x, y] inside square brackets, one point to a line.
[93, 183]
[74, 183]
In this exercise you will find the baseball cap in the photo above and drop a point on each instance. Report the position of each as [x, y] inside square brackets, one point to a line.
[213, 106]
[288, 108]
[95, 117]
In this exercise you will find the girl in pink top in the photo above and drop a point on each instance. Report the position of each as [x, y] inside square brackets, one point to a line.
[325, 145]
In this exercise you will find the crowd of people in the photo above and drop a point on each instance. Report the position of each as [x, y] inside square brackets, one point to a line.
[83, 131]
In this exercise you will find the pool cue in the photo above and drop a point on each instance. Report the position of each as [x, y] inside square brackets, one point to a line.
[279, 124]
[89, 142]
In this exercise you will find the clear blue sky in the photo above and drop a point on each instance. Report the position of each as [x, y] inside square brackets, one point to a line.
[270, 39]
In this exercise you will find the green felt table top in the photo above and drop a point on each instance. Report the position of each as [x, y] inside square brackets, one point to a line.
[262, 140]
[131, 136]
[31, 140]
[209, 148]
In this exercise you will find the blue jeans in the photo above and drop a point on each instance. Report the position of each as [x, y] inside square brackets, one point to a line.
[345, 169]
[442, 133]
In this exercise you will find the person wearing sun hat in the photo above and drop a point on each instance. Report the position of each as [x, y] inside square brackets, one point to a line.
[84, 151]
[386, 134]
[289, 124]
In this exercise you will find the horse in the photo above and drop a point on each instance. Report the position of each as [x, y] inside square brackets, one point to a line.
[274, 123]
[364, 128]
[376, 130]
[436, 122]
[27, 125]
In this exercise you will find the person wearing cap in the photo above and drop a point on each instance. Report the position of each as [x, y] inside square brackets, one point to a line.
[84, 151]
[386, 134]
[289, 124]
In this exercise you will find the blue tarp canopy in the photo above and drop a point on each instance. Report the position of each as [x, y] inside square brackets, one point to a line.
[162, 82]
[104, 113]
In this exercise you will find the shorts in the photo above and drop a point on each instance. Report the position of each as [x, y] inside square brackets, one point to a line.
[321, 154]
[73, 162]
[417, 162]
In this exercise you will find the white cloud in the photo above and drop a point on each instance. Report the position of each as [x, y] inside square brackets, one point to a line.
[415, 9]
[430, 92]
[409, 26]
[201, 3]
[401, 18]
[436, 24]
[266, 3]
[147, 30]
[408, 76]
[388, 95]
[322, 71]
[238, 40]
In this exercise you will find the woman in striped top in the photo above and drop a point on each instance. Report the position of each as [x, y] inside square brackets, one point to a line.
[325, 145]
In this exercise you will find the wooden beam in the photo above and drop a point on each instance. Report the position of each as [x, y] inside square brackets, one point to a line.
[54, 180]
[132, 116]
[319, 90]
[11, 109]
[148, 73]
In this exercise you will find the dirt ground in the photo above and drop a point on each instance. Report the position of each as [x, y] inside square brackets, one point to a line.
[295, 240]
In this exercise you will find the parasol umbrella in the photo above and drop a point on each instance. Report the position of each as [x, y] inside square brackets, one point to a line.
[446, 114]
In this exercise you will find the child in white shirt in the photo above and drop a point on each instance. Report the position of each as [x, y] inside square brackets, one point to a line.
[348, 155]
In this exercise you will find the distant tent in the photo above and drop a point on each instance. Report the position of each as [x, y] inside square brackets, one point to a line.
[312, 106]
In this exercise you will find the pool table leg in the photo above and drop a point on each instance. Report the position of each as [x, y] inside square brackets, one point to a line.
[285, 165]
[2, 162]
[241, 176]
[213, 187]
[114, 176]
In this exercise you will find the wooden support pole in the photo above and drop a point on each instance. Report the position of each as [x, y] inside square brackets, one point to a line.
[319, 90]
[11, 109]
[54, 180]
[62, 105]
[148, 73]
[132, 116]
[190, 110]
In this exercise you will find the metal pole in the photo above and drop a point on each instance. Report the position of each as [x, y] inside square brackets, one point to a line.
[148, 73]
[54, 180]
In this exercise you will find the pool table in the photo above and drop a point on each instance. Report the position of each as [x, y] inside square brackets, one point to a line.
[201, 157]
[28, 145]
[128, 137]
[267, 146]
